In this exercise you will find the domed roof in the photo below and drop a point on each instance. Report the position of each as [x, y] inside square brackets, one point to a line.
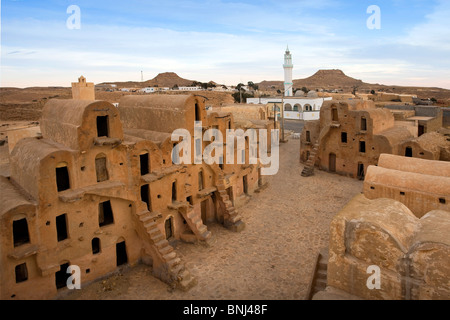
[299, 93]
[312, 94]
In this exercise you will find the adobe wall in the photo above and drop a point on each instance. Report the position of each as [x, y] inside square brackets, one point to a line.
[420, 193]
[413, 261]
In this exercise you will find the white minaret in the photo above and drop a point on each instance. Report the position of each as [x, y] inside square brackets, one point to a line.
[288, 66]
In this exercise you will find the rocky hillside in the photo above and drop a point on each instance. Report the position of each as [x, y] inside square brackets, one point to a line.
[166, 79]
[321, 79]
[328, 78]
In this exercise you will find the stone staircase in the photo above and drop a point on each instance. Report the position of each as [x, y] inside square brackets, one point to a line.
[308, 170]
[231, 217]
[194, 221]
[167, 266]
[319, 279]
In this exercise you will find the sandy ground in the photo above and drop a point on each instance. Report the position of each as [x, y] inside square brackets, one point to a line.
[272, 259]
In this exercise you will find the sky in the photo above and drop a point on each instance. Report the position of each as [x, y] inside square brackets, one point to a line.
[226, 41]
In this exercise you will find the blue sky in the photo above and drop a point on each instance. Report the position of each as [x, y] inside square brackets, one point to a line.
[227, 41]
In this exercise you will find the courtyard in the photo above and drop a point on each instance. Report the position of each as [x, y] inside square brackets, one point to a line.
[272, 259]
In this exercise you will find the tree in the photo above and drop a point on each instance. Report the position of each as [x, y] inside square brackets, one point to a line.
[305, 90]
[175, 87]
[245, 96]
[240, 85]
[252, 85]
[279, 91]
[372, 91]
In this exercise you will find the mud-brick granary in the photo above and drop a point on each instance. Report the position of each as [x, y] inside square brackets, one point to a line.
[98, 189]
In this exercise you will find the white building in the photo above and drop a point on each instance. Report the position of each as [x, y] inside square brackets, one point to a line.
[189, 88]
[297, 108]
[288, 66]
[154, 89]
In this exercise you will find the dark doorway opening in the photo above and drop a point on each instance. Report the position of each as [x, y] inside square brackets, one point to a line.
[174, 191]
[21, 273]
[20, 232]
[102, 126]
[145, 196]
[121, 253]
[144, 161]
[95, 246]
[308, 136]
[62, 178]
[362, 146]
[61, 227]
[168, 226]
[421, 130]
[61, 276]
[344, 137]
[245, 184]
[204, 211]
[190, 200]
[408, 152]
[360, 171]
[105, 214]
[332, 162]
[197, 113]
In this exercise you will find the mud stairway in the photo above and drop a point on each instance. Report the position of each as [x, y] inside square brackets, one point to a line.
[231, 218]
[319, 278]
[194, 221]
[308, 170]
[167, 266]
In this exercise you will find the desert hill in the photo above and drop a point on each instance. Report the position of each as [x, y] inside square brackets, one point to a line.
[166, 79]
[337, 79]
